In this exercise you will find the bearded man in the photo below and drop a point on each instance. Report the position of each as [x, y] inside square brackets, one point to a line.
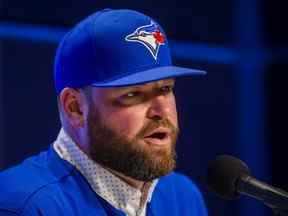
[115, 153]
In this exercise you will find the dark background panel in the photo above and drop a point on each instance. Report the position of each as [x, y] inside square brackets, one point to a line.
[204, 103]
[203, 21]
[29, 102]
[1, 112]
[275, 18]
[277, 79]
[206, 107]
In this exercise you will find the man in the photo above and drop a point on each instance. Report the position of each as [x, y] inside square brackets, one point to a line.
[115, 153]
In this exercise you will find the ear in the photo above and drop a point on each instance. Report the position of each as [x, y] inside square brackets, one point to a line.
[73, 105]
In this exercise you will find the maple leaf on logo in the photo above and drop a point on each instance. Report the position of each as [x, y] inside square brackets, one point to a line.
[159, 37]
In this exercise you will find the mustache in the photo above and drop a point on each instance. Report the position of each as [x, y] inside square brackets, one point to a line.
[154, 124]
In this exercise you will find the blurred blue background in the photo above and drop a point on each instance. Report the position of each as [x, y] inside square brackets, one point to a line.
[239, 108]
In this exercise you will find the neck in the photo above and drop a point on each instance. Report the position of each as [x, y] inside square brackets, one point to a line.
[143, 186]
[130, 181]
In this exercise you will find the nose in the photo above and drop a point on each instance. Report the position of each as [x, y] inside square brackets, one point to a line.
[159, 108]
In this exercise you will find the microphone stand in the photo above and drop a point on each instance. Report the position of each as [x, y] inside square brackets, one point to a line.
[280, 212]
[275, 198]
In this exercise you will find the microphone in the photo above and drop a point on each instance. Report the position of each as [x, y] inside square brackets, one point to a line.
[229, 177]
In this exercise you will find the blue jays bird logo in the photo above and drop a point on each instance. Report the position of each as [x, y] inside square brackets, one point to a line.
[150, 36]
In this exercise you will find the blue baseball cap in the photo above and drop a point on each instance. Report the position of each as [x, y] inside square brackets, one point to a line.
[113, 48]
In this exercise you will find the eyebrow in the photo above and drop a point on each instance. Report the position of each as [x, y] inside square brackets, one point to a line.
[157, 85]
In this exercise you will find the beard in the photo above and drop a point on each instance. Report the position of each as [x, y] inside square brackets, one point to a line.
[129, 157]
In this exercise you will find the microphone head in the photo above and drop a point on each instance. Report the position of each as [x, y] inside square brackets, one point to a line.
[223, 174]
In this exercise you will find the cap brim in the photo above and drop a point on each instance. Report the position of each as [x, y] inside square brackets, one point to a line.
[150, 75]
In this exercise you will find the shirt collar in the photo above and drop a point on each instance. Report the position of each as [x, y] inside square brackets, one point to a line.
[111, 188]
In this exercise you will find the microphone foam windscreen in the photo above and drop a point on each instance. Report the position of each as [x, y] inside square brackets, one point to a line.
[223, 173]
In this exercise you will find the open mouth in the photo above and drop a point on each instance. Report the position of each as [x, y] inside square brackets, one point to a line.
[157, 135]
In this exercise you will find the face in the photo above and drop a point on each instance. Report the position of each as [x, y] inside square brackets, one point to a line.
[133, 130]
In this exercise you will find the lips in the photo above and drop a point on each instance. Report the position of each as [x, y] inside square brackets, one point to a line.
[159, 136]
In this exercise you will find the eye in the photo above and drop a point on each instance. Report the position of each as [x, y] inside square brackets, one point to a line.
[130, 98]
[131, 94]
[167, 89]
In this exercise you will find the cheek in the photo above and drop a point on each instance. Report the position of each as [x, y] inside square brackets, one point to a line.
[170, 109]
[172, 112]
[124, 122]
[129, 121]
